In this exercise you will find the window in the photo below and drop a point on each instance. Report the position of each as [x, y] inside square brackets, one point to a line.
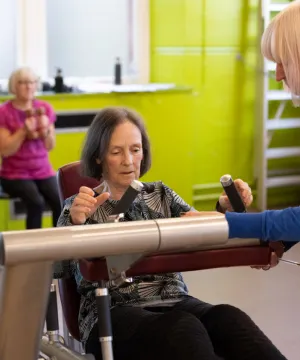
[83, 37]
[8, 37]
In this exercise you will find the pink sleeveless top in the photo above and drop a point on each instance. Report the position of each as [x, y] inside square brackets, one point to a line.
[31, 161]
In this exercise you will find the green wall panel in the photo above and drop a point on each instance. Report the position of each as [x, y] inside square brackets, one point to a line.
[222, 22]
[223, 103]
[214, 49]
[195, 22]
[167, 22]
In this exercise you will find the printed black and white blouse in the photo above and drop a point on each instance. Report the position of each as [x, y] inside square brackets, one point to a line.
[151, 290]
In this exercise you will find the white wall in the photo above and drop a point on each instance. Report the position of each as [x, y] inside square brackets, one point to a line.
[8, 52]
[271, 298]
[85, 36]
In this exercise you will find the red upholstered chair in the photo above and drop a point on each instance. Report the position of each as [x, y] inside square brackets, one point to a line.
[70, 180]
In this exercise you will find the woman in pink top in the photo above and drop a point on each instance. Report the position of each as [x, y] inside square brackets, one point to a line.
[27, 134]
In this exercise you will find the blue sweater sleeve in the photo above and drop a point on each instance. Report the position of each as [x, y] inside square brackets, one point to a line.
[270, 225]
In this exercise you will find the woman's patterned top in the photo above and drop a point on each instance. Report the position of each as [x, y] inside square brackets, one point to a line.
[151, 290]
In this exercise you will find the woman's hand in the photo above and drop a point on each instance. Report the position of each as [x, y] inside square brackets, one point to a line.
[274, 262]
[245, 192]
[43, 121]
[30, 126]
[85, 204]
[43, 126]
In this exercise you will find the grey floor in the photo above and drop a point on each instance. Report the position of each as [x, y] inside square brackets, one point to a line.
[271, 298]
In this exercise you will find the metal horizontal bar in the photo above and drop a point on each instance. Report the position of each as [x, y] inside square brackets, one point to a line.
[282, 152]
[74, 242]
[280, 95]
[277, 124]
[282, 181]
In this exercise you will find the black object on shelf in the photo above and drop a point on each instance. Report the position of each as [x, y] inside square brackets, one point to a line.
[59, 82]
[118, 72]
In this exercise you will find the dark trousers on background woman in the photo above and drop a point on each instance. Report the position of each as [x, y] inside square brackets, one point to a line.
[34, 194]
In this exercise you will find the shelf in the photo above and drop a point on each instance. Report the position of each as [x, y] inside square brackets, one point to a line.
[281, 181]
[280, 124]
[281, 95]
[282, 152]
[278, 7]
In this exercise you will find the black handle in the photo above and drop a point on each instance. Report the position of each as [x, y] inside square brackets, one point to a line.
[232, 193]
[104, 317]
[128, 198]
[52, 312]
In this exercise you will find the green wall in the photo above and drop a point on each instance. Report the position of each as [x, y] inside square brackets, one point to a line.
[213, 46]
[196, 42]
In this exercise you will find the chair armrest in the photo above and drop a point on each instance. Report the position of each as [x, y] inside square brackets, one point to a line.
[180, 262]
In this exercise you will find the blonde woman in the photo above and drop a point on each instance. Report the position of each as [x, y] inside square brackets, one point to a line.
[281, 44]
[26, 136]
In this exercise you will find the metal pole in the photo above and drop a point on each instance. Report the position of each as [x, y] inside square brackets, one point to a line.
[29, 256]
[22, 314]
[88, 241]
[56, 350]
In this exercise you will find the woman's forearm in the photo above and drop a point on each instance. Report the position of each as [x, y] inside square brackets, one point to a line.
[49, 140]
[270, 225]
[11, 143]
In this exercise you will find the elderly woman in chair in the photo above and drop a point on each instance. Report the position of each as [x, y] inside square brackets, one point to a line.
[154, 317]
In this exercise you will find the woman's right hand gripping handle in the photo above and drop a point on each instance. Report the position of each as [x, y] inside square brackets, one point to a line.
[85, 204]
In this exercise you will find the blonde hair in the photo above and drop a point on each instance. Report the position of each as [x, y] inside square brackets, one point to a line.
[21, 73]
[281, 44]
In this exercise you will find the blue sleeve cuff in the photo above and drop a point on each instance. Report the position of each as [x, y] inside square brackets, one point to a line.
[243, 225]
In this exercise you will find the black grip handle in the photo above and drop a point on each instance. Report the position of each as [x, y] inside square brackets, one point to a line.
[126, 201]
[52, 312]
[232, 193]
[104, 317]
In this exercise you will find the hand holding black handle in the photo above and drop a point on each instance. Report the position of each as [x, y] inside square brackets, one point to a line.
[232, 193]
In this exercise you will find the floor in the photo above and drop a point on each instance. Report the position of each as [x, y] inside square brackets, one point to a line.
[271, 298]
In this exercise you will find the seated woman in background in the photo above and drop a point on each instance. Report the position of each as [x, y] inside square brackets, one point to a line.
[153, 317]
[27, 134]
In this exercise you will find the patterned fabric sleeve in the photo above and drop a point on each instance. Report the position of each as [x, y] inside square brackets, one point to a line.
[177, 204]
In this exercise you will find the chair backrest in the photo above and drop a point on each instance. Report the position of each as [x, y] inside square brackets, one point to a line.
[69, 181]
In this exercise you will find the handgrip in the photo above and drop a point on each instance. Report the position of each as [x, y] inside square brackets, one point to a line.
[52, 312]
[128, 198]
[104, 317]
[232, 193]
